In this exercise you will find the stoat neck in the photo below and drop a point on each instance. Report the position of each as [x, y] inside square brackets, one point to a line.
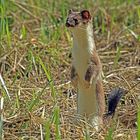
[83, 37]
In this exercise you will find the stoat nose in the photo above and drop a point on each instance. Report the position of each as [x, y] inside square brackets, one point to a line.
[70, 23]
[67, 23]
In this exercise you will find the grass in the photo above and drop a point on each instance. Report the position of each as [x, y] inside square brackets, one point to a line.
[109, 135]
[34, 62]
[138, 123]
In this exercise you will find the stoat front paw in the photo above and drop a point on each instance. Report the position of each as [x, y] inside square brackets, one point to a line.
[87, 84]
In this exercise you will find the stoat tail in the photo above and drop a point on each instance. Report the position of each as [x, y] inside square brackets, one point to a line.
[113, 100]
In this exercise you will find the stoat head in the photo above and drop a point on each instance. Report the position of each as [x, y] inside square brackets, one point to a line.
[78, 19]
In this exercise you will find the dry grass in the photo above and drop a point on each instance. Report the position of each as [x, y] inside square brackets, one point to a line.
[35, 65]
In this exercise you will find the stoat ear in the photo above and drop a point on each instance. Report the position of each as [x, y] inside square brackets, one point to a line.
[85, 15]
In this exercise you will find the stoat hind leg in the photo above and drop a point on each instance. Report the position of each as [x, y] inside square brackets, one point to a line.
[100, 99]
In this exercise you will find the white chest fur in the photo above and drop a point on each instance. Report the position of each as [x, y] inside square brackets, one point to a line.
[80, 60]
[83, 45]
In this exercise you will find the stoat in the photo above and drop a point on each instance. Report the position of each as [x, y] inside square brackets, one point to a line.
[86, 70]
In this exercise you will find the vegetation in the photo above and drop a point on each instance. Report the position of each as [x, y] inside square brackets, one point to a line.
[35, 63]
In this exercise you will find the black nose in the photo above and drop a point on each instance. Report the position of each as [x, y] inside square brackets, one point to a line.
[67, 23]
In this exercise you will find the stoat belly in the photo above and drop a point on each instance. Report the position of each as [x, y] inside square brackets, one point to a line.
[80, 61]
[86, 98]
[87, 103]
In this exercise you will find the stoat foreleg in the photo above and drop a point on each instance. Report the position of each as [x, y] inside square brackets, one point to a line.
[91, 74]
[74, 77]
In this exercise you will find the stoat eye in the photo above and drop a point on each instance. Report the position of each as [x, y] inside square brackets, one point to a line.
[85, 15]
[70, 11]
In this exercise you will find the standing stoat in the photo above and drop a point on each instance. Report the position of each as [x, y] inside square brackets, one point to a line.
[86, 70]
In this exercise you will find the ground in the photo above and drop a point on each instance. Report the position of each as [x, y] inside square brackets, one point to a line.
[35, 61]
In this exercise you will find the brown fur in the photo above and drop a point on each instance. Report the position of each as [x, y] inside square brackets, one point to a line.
[100, 98]
[94, 68]
[96, 71]
[99, 85]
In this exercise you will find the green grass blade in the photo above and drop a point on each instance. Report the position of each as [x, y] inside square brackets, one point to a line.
[36, 99]
[1, 117]
[117, 56]
[48, 75]
[109, 135]
[57, 123]
[47, 130]
[44, 68]
[23, 32]
[138, 123]
[8, 33]
[87, 135]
